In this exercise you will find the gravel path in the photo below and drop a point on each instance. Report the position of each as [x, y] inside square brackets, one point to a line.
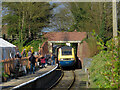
[80, 80]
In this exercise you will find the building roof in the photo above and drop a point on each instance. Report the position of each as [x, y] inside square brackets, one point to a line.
[65, 36]
[4, 43]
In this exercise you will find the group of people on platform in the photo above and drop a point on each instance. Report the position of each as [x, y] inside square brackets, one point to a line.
[41, 61]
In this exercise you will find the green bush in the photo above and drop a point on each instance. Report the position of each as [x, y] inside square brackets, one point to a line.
[105, 66]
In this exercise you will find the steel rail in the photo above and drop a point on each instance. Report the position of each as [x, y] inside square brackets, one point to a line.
[62, 74]
[73, 80]
[60, 79]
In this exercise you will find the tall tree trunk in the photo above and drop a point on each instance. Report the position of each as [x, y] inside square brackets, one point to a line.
[19, 28]
[22, 26]
[29, 32]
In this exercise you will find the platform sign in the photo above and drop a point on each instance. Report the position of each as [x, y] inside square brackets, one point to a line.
[68, 44]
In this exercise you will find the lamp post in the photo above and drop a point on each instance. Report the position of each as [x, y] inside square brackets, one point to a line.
[114, 22]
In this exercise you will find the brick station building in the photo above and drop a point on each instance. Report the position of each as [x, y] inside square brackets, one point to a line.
[66, 37]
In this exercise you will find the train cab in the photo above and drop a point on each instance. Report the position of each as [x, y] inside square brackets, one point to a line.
[66, 56]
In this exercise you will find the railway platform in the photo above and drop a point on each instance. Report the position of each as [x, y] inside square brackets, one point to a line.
[16, 82]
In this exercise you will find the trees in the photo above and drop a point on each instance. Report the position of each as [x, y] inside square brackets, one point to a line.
[92, 16]
[80, 14]
[26, 18]
[62, 18]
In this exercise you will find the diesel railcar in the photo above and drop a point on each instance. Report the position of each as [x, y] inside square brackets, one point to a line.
[66, 56]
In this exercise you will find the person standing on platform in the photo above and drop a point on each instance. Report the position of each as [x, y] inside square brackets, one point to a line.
[46, 59]
[32, 49]
[43, 61]
[39, 61]
[17, 57]
[53, 59]
[23, 53]
[17, 64]
[29, 53]
[32, 60]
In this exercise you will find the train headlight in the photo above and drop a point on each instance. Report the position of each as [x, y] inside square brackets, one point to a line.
[72, 58]
[61, 59]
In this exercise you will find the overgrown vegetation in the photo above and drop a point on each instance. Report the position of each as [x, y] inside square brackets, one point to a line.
[105, 70]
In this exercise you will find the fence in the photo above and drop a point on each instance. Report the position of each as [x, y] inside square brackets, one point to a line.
[12, 62]
[23, 61]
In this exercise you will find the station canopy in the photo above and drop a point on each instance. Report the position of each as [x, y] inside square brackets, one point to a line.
[7, 50]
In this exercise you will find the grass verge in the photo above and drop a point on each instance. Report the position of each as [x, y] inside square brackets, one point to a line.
[97, 66]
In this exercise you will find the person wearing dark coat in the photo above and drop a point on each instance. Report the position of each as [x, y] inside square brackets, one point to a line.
[17, 65]
[39, 61]
[32, 60]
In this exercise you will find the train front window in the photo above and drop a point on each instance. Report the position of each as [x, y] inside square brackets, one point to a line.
[67, 52]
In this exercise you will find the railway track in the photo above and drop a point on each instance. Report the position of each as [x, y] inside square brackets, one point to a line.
[57, 79]
[66, 81]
